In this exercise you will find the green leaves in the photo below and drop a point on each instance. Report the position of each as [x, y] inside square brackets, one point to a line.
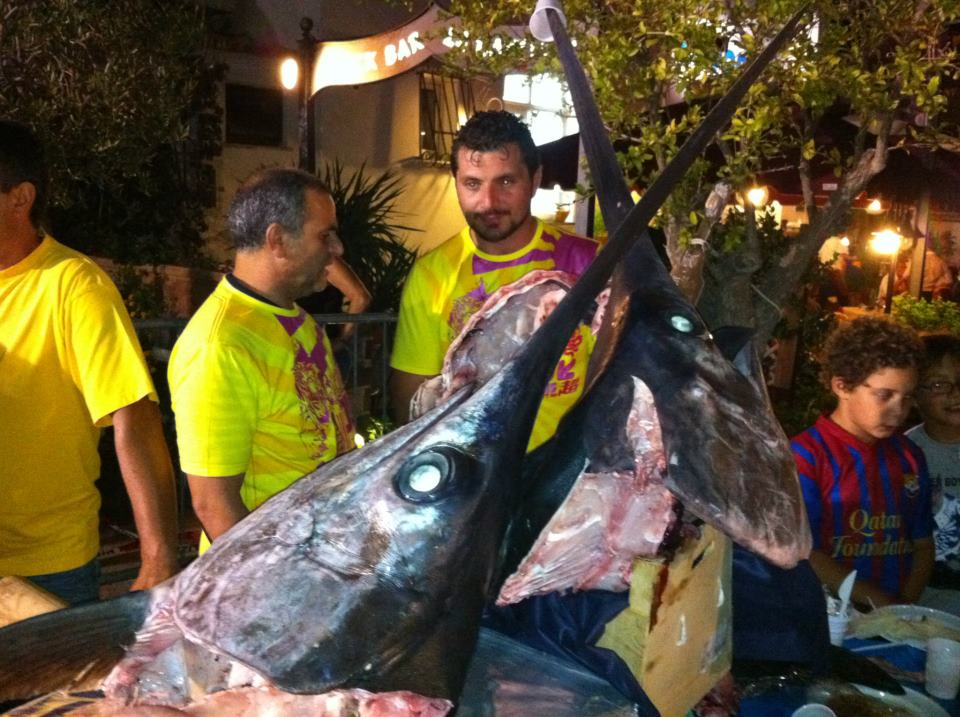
[927, 316]
[111, 89]
[866, 61]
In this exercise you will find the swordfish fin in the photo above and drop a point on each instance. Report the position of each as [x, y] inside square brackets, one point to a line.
[62, 648]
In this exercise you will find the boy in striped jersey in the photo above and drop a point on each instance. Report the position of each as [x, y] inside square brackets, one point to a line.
[866, 486]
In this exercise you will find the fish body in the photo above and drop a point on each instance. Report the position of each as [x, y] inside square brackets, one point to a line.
[671, 425]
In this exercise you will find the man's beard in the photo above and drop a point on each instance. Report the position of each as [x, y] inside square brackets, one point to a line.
[475, 222]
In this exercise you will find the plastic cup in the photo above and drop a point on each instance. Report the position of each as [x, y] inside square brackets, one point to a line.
[943, 667]
[838, 627]
[814, 709]
[540, 25]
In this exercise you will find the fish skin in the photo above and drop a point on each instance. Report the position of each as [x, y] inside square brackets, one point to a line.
[48, 652]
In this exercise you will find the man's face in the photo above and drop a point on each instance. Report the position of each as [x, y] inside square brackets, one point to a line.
[494, 190]
[938, 398]
[310, 253]
[877, 407]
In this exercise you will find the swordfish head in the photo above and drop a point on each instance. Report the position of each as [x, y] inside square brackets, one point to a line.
[728, 460]
[372, 571]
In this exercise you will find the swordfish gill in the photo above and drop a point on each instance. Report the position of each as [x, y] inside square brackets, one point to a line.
[370, 572]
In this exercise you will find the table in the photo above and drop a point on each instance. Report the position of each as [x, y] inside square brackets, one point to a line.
[783, 703]
[906, 658]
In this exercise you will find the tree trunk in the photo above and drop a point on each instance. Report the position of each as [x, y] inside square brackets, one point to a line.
[730, 295]
[781, 282]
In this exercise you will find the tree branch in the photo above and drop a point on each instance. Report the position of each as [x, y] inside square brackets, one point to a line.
[783, 279]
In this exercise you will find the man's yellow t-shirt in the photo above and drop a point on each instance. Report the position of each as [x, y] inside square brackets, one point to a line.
[69, 358]
[255, 391]
[449, 284]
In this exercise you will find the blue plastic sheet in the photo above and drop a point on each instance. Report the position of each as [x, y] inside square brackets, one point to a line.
[568, 626]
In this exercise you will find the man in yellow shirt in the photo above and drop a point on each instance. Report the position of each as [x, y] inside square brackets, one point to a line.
[258, 399]
[70, 363]
[496, 167]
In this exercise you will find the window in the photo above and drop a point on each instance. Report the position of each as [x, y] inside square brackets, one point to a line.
[254, 115]
[543, 102]
[445, 104]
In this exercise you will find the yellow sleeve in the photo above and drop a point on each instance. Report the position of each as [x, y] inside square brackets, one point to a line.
[417, 346]
[104, 354]
[215, 408]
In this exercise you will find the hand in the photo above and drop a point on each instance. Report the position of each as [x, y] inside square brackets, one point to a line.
[154, 571]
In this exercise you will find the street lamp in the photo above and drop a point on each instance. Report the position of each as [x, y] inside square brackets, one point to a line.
[293, 72]
[757, 196]
[887, 243]
[289, 73]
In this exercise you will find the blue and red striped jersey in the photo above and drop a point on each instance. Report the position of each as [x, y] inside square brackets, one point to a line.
[866, 503]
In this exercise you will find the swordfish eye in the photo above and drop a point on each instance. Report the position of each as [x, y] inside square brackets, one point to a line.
[682, 324]
[429, 476]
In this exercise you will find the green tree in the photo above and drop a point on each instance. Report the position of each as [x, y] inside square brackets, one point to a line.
[121, 95]
[882, 62]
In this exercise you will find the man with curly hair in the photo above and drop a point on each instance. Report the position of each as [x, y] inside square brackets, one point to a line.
[496, 171]
[866, 486]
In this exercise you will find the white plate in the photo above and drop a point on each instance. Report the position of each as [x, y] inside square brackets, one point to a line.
[913, 703]
[914, 613]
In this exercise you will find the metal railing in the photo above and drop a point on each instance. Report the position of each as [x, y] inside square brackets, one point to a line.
[363, 357]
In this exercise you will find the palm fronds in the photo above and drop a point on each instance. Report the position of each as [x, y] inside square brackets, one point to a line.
[372, 244]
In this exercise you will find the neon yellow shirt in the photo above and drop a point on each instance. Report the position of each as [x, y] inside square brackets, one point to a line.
[449, 284]
[255, 391]
[69, 358]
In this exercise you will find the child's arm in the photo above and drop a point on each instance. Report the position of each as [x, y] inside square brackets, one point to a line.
[832, 573]
[921, 526]
[923, 556]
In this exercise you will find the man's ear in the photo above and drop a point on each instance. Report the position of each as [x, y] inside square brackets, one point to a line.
[537, 177]
[24, 195]
[274, 240]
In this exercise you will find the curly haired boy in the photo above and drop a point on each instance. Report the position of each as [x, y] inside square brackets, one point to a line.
[865, 485]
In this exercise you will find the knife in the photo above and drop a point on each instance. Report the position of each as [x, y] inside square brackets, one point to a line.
[850, 667]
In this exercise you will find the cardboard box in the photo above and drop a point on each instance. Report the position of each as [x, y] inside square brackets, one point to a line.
[676, 633]
[20, 599]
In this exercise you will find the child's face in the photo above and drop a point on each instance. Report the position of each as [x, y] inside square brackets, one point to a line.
[938, 396]
[875, 408]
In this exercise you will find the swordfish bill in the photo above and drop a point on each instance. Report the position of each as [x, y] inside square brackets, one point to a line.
[728, 460]
[370, 572]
